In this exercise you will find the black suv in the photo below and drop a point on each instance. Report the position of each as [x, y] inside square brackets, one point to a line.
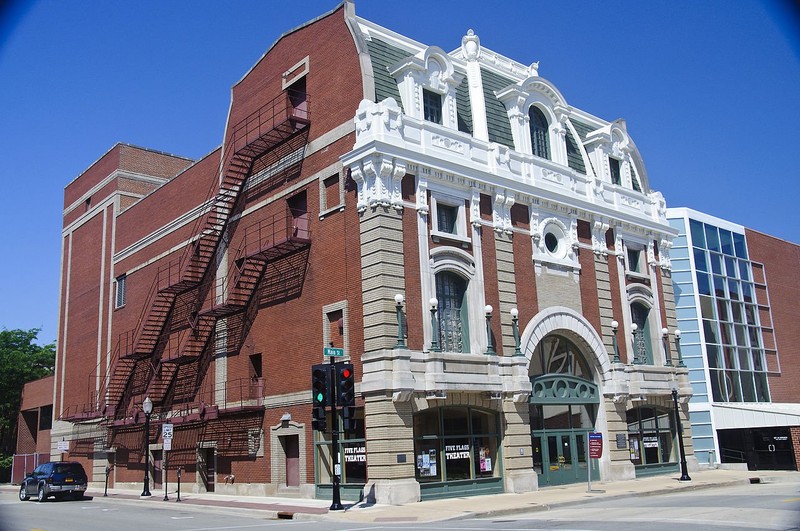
[57, 479]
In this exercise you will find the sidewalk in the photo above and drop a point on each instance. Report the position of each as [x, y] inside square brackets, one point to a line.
[454, 508]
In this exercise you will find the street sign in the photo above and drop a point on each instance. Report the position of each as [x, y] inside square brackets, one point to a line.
[166, 431]
[595, 445]
[63, 445]
[333, 352]
[167, 444]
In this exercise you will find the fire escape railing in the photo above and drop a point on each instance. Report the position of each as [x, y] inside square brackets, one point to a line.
[258, 133]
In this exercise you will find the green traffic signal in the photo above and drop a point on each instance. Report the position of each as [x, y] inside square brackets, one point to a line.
[319, 397]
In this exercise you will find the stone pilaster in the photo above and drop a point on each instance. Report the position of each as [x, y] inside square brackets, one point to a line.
[518, 473]
[390, 447]
[506, 284]
[382, 275]
[619, 458]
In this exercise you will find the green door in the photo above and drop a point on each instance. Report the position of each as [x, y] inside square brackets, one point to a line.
[563, 457]
[563, 410]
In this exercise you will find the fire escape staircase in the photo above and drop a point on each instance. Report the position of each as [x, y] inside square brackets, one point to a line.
[275, 124]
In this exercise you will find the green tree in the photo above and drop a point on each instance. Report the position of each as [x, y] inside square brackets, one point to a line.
[21, 361]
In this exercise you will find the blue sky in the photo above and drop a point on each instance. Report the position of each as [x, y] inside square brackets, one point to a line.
[710, 91]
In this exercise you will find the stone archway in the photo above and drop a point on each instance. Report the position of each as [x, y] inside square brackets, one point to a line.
[566, 402]
[573, 325]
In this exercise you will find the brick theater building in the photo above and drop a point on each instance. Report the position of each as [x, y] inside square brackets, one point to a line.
[492, 260]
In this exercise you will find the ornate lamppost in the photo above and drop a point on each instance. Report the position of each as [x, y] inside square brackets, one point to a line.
[678, 348]
[434, 305]
[614, 328]
[401, 337]
[515, 327]
[489, 346]
[679, 427]
[665, 341]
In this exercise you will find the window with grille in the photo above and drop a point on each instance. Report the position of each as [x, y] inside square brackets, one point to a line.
[451, 292]
[119, 301]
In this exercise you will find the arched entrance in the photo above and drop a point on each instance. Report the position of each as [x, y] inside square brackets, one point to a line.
[563, 409]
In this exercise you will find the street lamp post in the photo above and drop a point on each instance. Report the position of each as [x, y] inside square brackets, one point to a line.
[147, 407]
[434, 305]
[489, 346]
[515, 327]
[614, 328]
[679, 427]
[401, 341]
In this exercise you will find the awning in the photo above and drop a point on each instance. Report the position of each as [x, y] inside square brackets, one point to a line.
[749, 415]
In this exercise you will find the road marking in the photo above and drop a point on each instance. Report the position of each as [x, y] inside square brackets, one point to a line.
[791, 500]
[181, 517]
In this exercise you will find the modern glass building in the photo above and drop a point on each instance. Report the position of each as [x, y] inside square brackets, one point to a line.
[728, 343]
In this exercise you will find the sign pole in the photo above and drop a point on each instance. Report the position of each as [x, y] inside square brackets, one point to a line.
[588, 462]
[594, 451]
[336, 504]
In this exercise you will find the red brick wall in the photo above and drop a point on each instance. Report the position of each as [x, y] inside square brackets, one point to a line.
[781, 261]
[588, 280]
[524, 273]
[83, 291]
[185, 192]
[333, 82]
[415, 308]
[124, 157]
[616, 296]
[794, 432]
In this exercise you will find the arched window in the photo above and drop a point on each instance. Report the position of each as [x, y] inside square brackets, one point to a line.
[558, 355]
[453, 313]
[642, 342]
[540, 139]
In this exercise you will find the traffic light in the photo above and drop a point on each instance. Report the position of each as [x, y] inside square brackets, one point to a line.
[320, 395]
[349, 419]
[345, 385]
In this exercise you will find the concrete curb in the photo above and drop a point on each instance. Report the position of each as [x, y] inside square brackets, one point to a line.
[571, 503]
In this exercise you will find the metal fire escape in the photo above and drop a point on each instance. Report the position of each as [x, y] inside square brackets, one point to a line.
[166, 356]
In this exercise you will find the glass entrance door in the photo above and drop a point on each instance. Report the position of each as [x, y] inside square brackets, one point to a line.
[563, 457]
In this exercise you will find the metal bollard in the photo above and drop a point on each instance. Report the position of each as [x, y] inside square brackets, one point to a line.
[179, 484]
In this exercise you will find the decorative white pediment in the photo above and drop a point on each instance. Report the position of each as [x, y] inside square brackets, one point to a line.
[430, 69]
[381, 120]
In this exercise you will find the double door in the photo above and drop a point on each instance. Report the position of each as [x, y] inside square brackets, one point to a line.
[560, 457]
[773, 449]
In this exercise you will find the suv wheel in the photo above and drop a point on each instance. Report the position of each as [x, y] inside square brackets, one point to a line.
[40, 495]
[23, 494]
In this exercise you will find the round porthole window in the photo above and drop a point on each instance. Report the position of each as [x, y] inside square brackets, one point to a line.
[555, 240]
[551, 242]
